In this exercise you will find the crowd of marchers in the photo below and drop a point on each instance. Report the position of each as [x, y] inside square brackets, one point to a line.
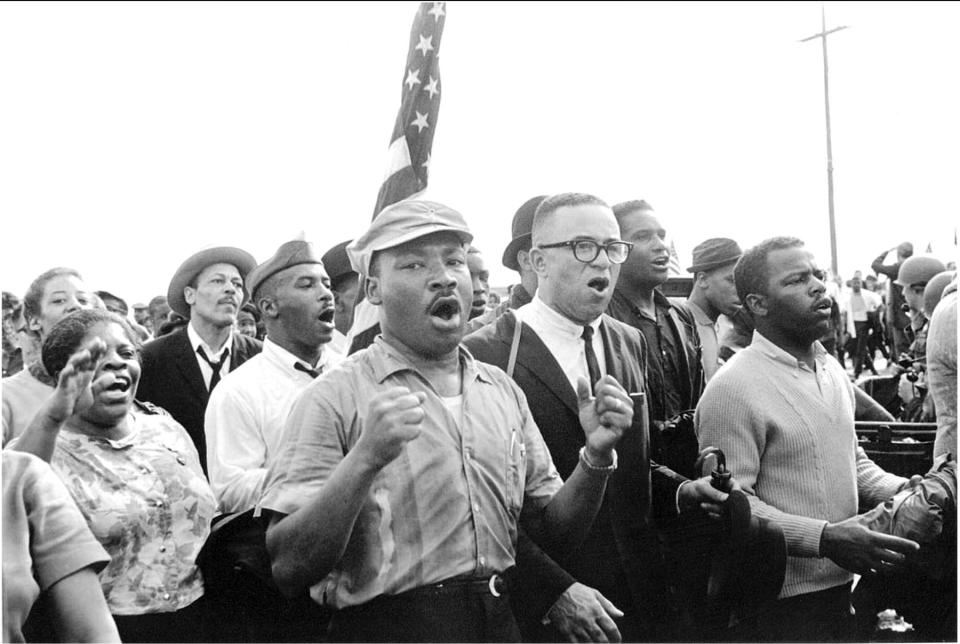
[593, 458]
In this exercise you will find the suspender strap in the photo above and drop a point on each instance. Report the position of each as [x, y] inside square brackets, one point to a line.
[514, 346]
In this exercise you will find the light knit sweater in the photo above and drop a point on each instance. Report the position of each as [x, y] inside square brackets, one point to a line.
[788, 436]
[942, 370]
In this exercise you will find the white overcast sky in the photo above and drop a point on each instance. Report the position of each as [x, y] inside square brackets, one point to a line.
[133, 134]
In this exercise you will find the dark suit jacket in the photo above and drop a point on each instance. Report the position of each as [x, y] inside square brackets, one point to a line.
[171, 378]
[619, 551]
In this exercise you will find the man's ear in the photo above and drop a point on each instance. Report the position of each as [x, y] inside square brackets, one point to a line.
[538, 261]
[699, 280]
[190, 295]
[756, 304]
[33, 324]
[523, 260]
[371, 288]
[268, 307]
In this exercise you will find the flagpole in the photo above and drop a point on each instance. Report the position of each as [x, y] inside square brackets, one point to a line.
[826, 100]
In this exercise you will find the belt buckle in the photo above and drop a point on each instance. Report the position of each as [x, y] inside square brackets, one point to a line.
[492, 584]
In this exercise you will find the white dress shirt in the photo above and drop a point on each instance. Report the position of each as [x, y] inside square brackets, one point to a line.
[205, 369]
[563, 338]
[244, 421]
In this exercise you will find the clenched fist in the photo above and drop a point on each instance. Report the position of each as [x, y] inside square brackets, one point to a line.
[393, 420]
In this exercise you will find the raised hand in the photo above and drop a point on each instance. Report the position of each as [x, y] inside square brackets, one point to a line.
[852, 546]
[393, 420]
[604, 418]
[583, 614]
[76, 380]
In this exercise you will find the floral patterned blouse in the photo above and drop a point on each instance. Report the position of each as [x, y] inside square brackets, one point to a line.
[148, 503]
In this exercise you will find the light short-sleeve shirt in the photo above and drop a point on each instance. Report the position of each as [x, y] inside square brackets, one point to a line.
[447, 506]
[45, 538]
[148, 503]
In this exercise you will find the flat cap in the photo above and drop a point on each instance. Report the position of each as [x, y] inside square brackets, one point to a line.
[521, 229]
[241, 259]
[402, 222]
[714, 253]
[336, 261]
[291, 253]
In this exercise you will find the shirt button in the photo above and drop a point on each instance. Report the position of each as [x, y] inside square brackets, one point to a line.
[159, 503]
[476, 507]
[483, 561]
[166, 595]
[163, 548]
[181, 460]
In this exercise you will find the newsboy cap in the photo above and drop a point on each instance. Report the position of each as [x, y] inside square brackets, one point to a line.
[402, 222]
[337, 263]
[241, 259]
[521, 229]
[291, 253]
[714, 253]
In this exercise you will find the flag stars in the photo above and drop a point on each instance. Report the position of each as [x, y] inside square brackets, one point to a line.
[420, 122]
[426, 44]
[437, 11]
[432, 88]
[413, 78]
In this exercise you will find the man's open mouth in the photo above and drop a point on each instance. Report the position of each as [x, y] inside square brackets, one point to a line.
[326, 316]
[120, 383]
[445, 308]
[661, 262]
[599, 284]
[825, 303]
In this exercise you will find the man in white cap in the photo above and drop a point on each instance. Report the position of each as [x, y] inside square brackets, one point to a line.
[181, 368]
[243, 422]
[397, 492]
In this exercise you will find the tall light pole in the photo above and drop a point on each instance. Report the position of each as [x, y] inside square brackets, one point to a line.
[826, 100]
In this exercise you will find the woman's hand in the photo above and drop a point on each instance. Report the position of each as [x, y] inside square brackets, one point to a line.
[74, 380]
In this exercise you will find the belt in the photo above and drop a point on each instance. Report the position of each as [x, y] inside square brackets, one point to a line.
[496, 585]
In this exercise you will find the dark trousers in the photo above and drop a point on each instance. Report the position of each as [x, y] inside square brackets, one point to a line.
[864, 358]
[823, 616]
[453, 614]
[185, 625]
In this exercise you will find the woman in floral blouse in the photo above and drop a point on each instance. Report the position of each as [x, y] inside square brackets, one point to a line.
[134, 473]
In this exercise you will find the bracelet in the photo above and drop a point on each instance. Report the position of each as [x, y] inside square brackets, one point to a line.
[593, 469]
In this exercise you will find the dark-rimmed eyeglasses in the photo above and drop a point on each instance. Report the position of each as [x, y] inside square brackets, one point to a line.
[587, 250]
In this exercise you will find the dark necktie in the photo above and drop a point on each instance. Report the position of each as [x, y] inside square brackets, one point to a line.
[592, 365]
[313, 373]
[214, 365]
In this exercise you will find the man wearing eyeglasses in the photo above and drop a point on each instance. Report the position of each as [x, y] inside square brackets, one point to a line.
[600, 592]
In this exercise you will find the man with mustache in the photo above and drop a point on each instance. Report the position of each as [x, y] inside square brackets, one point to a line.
[181, 368]
[402, 473]
[782, 410]
[243, 422]
[602, 591]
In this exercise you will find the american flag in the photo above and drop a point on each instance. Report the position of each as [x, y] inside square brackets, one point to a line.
[674, 266]
[409, 153]
[408, 164]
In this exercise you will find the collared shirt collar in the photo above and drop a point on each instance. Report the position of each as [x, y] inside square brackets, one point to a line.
[699, 315]
[780, 355]
[283, 357]
[392, 361]
[557, 321]
[196, 341]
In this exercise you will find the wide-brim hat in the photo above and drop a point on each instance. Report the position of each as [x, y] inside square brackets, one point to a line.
[403, 222]
[521, 230]
[241, 259]
[714, 253]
